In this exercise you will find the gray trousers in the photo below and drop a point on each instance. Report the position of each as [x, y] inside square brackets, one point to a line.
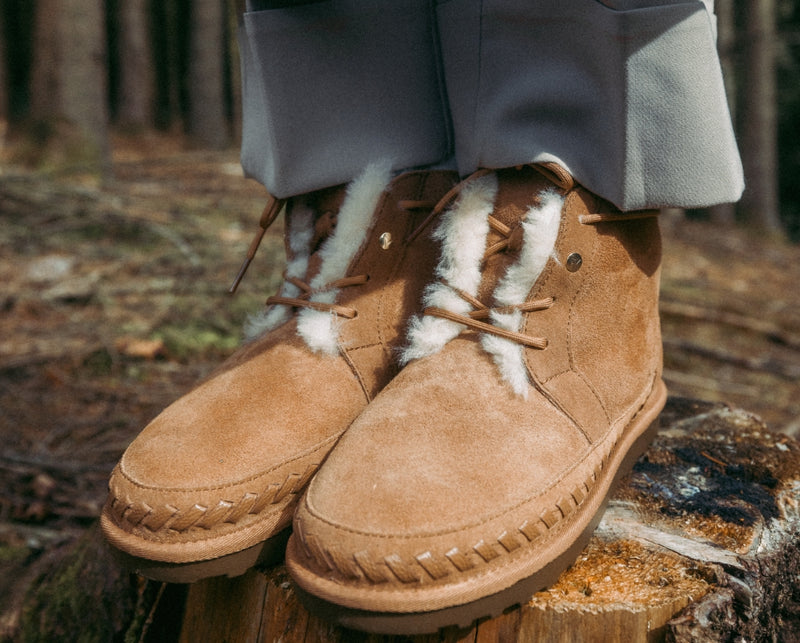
[626, 94]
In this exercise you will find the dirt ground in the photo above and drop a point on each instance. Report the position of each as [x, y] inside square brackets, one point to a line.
[113, 302]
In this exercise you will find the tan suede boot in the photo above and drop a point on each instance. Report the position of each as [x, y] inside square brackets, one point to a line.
[208, 486]
[478, 474]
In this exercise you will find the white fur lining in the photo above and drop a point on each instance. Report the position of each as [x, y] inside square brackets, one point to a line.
[540, 231]
[300, 233]
[462, 232]
[320, 329]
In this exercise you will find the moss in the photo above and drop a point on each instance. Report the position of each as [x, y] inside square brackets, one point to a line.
[195, 339]
[11, 555]
[83, 597]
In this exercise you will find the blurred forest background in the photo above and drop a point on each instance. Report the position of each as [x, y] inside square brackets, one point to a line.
[73, 70]
[76, 69]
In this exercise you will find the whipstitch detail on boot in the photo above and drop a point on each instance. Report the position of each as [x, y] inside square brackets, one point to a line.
[362, 566]
[170, 517]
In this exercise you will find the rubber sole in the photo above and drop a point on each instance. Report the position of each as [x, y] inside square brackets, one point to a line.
[463, 616]
[266, 553]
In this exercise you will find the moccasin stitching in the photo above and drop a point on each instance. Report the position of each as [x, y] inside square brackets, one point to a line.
[171, 518]
[498, 563]
[317, 447]
[436, 566]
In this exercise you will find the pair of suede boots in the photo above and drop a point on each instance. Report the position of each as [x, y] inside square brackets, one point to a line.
[439, 401]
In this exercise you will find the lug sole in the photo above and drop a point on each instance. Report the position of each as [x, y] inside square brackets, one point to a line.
[463, 616]
[264, 554]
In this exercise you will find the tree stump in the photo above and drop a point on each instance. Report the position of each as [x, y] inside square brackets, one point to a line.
[699, 543]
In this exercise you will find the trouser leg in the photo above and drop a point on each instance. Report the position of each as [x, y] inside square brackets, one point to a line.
[329, 87]
[627, 94]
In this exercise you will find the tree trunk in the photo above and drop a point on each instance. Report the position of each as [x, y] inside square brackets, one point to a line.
[17, 17]
[69, 94]
[4, 88]
[170, 25]
[208, 124]
[45, 90]
[135, 66]
[758, 118]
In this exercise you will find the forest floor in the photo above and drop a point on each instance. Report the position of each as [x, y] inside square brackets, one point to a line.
[114, 302]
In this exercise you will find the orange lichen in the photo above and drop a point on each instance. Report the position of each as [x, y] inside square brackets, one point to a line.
[624, 571]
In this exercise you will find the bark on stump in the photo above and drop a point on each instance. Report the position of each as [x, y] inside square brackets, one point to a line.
[700, 543]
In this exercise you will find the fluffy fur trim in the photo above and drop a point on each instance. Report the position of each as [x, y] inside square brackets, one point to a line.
[462, 233]
[320, 329]
[540, 231]
[300, 232]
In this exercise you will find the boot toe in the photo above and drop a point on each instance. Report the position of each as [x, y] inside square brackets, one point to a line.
[411, 549]
[222, 468]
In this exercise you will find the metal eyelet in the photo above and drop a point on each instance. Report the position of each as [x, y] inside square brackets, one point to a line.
[385, 240]
[574, 262]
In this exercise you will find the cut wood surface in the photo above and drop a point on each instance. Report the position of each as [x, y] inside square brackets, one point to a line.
[700, 543]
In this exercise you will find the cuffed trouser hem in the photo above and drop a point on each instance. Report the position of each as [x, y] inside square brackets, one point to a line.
[631, 102]
[626, 94]
[329, 87]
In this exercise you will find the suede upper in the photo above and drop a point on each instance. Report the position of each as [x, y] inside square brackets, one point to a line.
[222, 468]
[451, 485]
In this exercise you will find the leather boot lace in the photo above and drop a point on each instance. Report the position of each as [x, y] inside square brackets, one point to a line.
[480, 312]
[271, 211]
[268, 216]
[304, 301]
[475, 319]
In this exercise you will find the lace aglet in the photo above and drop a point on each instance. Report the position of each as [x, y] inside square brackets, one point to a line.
[268, 216]
[247, 261]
